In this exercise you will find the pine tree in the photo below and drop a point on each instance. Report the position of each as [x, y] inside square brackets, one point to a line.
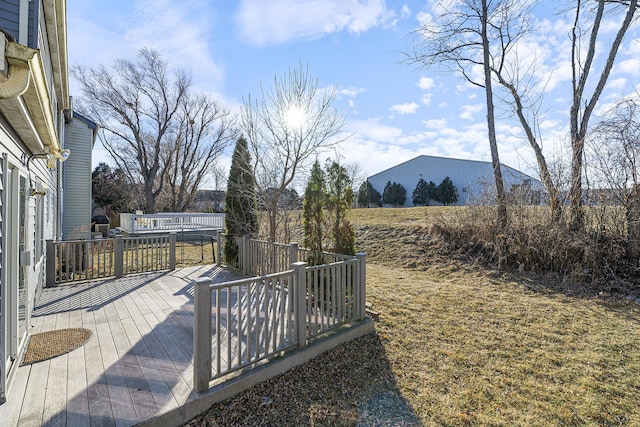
[240, 202]
[367, 195]
[420, 195]
[394, 194]
[447, 192]
[432, 191]
[313, 204]
[328, 197]
[363, 194]
[339, 201]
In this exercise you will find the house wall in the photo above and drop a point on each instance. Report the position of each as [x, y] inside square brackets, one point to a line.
[10, 20]
[77, 194]
[29, 190]
[10, 17]
[473, 179]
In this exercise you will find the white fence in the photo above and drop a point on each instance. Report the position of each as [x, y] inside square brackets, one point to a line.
[149, 223]
[261, 317]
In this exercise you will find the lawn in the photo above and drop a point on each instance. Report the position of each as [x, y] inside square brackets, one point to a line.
[457, 344]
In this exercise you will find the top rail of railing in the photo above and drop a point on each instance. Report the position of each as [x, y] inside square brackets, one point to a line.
[163, 222]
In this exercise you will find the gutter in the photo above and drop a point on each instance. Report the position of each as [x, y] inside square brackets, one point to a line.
[14, 78]
[25, 85]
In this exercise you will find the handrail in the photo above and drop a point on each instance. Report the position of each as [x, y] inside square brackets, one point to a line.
[79, 260]
[260, 317]
[170, 221]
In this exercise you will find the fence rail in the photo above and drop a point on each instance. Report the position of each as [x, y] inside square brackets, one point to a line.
[259, 257]
[145, 223]
[260, 317]
[79, 260]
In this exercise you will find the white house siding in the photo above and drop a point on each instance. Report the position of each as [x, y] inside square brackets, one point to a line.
[29, 127]
[76, 205]
[472, 178]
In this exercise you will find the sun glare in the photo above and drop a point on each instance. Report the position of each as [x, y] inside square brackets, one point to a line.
[294, 118]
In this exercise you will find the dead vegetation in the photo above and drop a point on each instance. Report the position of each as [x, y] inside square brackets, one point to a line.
[458, 343]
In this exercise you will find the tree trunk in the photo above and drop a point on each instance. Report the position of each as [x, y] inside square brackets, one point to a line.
[150, 207]
[576, 215]
[578, 125]
[495, 158]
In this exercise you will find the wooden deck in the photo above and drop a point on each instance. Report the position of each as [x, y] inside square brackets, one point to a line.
[138, 363]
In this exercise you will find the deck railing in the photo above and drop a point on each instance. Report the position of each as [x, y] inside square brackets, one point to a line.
[79, 260]
[260, 317]
[146, 223]
[259, 257]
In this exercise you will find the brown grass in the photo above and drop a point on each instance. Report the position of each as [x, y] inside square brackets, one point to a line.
[458, 344]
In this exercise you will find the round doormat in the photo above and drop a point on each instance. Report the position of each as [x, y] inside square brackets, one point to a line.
[50, 344]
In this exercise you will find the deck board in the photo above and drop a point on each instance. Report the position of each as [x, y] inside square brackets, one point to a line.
[137, 364]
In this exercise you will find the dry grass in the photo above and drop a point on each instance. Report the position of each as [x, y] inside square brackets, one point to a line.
[470, 348]
[400, 217]
[195, 252]
[458, 344]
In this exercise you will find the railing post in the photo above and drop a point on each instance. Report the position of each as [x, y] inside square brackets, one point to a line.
[218, 248]
[172, 250]
[300, 295]
[118, 264]
[201, 333]
[244, 257]
[361, 287]
[51, 264]
[293, 253]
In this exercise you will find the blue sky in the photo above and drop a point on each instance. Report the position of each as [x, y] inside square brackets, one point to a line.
[394, 111]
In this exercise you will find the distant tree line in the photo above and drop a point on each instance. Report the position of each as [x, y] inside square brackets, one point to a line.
[396, 195]
[445, 193]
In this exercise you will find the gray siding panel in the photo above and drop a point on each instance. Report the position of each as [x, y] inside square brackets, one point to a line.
[10, 17]
[77, 181]
[10, 20]
[34, 18]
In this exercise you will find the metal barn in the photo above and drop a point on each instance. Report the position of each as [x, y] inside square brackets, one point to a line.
[472, 178]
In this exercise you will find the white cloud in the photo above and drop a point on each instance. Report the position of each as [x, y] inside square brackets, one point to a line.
[407, 108]
[424, 18]
[374, 130]
[426, 83]
[435, 123]
[405, 12]
[426, 98]
[629, 66]
[617, 84]
[469, 111]
[178, 30]
[351, 92]
[264, 22]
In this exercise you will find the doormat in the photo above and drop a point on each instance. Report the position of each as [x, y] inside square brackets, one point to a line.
[47, 345]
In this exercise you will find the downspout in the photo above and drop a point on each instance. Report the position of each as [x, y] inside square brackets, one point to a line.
[14, 79]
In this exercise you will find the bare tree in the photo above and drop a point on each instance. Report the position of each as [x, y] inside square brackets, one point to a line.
[613, 153]
[285, 129]
[205, 130]
[582, 105]
[460, 37]
[515, 76]
[147, 124]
